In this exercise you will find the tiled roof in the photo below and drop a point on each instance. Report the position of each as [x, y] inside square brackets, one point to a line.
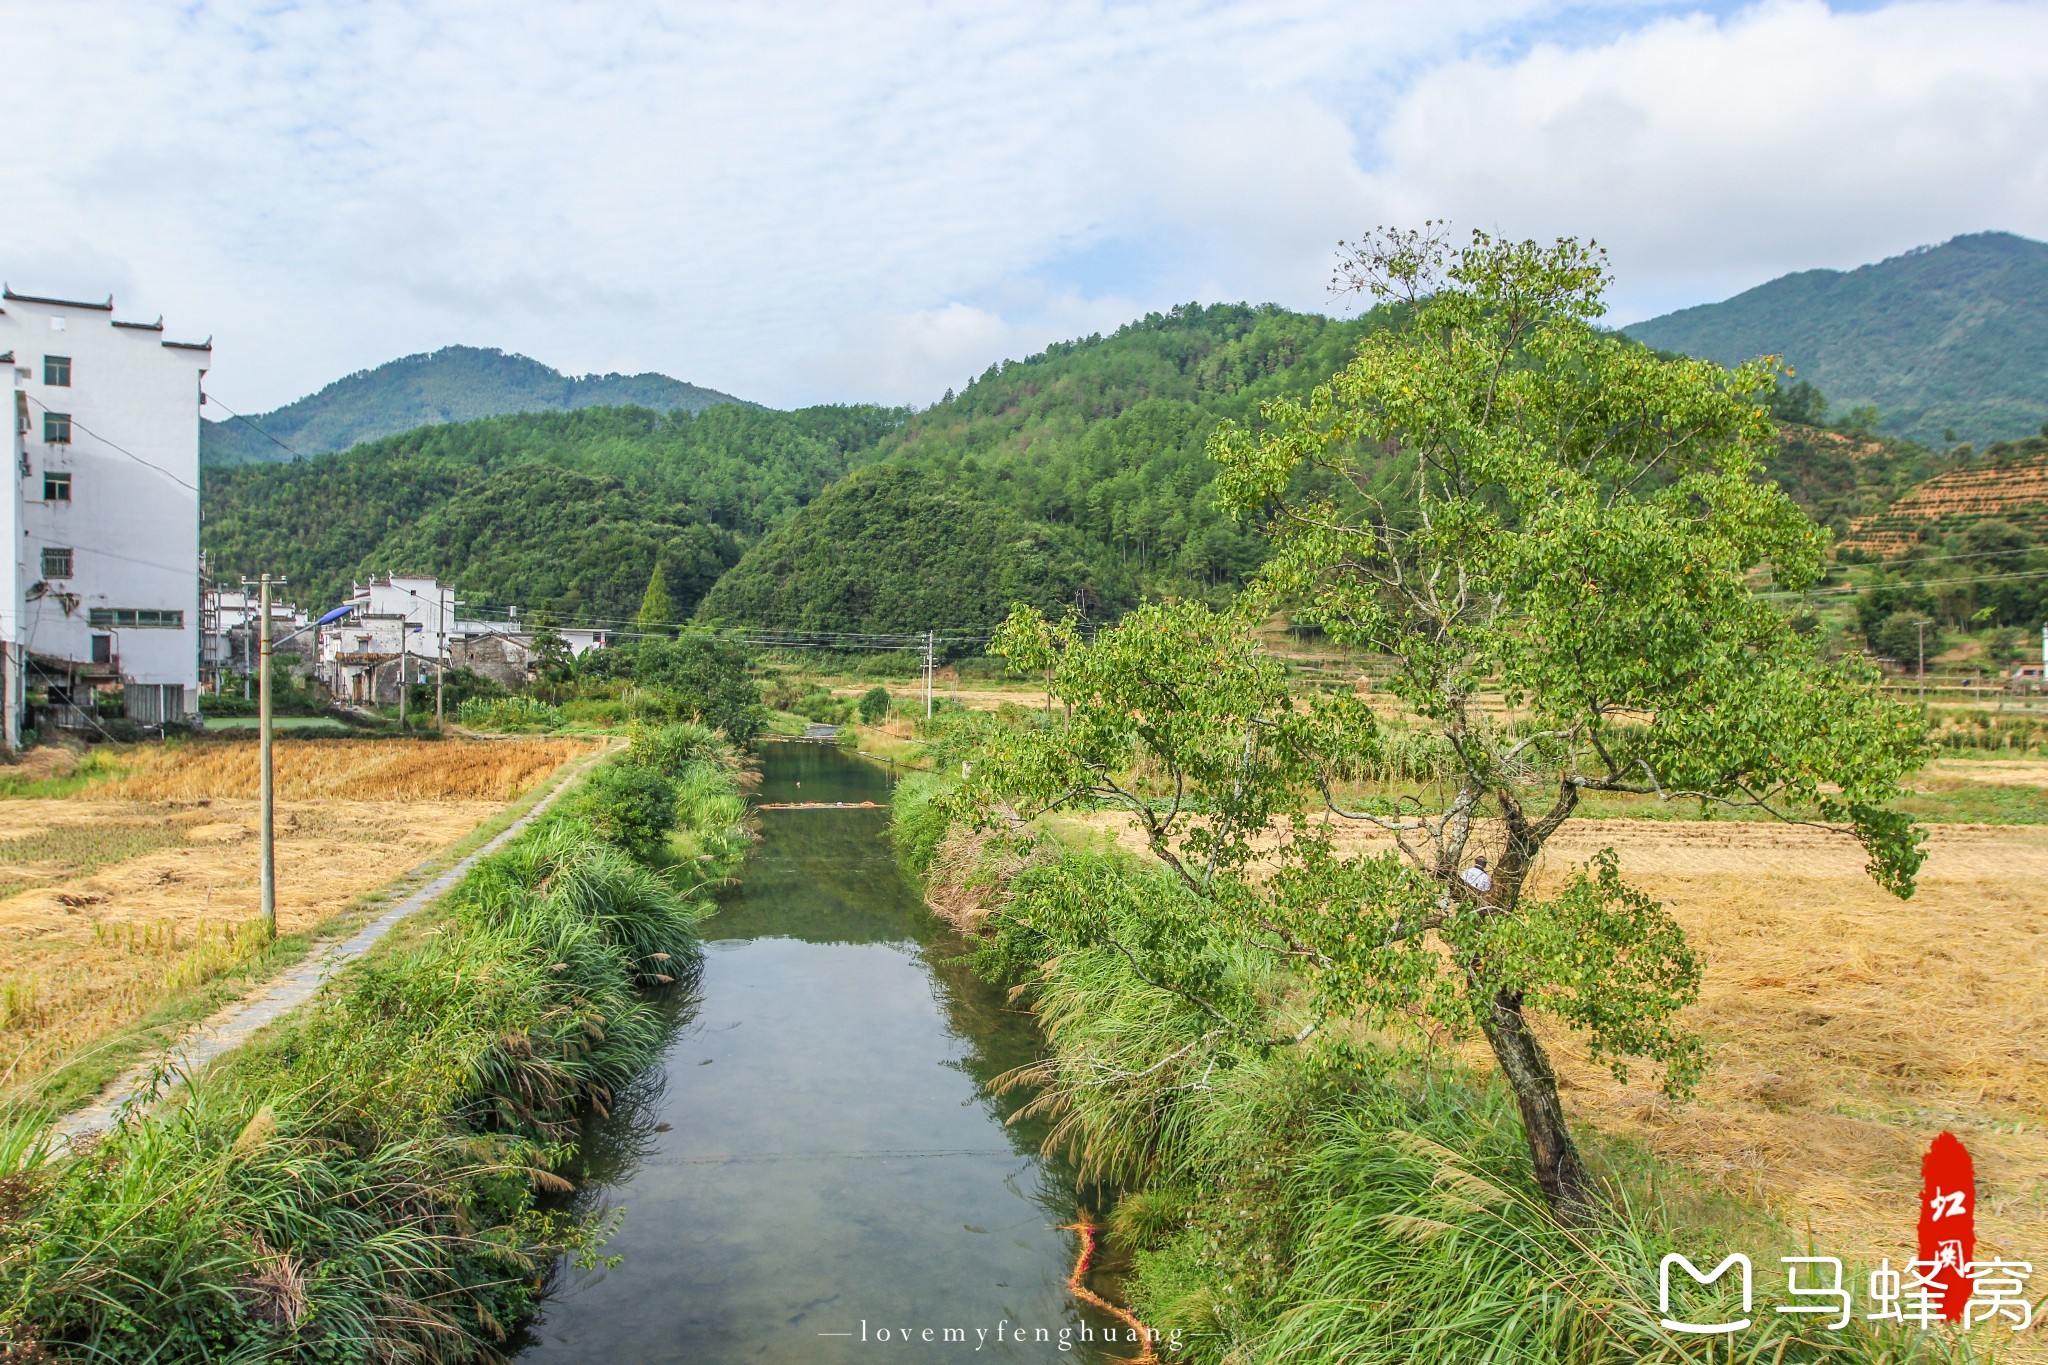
[106, 307]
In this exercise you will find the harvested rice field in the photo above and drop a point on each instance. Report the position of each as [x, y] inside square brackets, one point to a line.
[1847, 1027]
[143, 883]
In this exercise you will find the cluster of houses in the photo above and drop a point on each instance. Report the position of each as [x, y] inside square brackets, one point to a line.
[106, 591]
[398, 630]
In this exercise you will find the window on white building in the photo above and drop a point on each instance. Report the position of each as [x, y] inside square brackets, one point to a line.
[56, 486]
[57, 428]
[144, 618]
[56, 563]
[57, 371]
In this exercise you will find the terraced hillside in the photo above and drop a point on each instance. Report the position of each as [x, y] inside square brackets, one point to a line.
[2011, 485]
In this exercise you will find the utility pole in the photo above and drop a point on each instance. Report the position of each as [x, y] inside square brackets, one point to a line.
[1921, 627]
[441, 596]
[928, 651]
[403, 686]
[265, 781]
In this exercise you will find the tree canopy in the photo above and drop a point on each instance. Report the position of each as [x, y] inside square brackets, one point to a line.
[1565, 591]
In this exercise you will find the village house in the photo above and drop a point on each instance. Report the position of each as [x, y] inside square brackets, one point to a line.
[414, 622]
[497, 650]
[231, 631]
[101, 588]
[361, 657]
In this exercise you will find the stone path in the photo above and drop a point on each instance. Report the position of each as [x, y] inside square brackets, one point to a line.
[233, 1024]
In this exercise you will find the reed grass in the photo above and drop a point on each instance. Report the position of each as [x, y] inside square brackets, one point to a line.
[1352, 1197]
[358, 1183]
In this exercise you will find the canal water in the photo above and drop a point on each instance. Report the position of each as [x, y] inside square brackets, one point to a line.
[816, 1161]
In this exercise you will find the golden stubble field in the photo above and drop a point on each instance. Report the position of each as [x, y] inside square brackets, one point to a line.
[145, 884]
[1847, 1027]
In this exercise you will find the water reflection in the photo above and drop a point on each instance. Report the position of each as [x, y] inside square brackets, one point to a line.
[817, 1152]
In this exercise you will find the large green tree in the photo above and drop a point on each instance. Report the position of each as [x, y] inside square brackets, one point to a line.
[1566, 593]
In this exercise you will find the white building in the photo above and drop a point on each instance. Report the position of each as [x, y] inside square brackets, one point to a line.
[362, 655]
[102, 585]
[230, 618]
[427, 606]
[400, 622]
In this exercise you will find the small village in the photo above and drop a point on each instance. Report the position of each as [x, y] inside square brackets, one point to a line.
[1200, 683]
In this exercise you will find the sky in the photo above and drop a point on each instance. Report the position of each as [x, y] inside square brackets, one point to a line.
[800, 203]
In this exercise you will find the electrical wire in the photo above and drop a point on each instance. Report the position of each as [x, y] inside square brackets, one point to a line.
[80, 426]
[251, 423]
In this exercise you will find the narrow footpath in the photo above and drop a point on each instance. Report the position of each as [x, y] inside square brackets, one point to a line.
[234, 1024]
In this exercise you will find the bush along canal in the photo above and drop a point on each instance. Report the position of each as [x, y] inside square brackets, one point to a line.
[358, 1182]
[816, 1169]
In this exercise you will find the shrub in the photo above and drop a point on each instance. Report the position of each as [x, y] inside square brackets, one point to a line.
[918, 821]
[631, 806]
[697, 676]
[874, 704]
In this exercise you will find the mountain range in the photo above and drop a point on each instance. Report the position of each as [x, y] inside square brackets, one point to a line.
[1076, 476]
[453, 384]
[1949, 343]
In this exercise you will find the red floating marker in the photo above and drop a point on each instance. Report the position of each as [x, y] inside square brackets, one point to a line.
[1948, 1220]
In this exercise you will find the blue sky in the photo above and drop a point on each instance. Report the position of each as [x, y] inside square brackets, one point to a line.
[813, 202]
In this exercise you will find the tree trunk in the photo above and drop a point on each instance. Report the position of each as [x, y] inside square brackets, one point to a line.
[1566, 1185]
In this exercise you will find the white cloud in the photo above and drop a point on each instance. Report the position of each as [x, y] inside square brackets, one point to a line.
[805, 201]
[1710, 156]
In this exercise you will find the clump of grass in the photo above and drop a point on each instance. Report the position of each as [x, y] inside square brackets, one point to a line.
[53, 772]
[20, 1003]
[358, 1183]
[509, 715]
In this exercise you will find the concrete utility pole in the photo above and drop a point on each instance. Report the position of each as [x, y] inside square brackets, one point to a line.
[441, 595]
[1921, 627]
[928, 663]
[403, 686]
[265, 783]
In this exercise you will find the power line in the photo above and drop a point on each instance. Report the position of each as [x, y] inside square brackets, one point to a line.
[251, 423]
[80, 426]
[1854, 589]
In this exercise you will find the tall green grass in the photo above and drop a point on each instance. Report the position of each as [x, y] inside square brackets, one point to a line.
[1341, 1196]
[358, 1183]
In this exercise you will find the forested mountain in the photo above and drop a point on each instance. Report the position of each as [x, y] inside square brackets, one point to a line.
[1094, 455]
[1079, 476]
[453, 384]
[893, 545]
[568, 510]
[1949, 343]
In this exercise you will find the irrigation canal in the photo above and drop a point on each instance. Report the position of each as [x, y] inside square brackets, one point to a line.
[816, 1159]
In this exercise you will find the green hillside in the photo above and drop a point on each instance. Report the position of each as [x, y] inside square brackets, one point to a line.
[453, 384]
[568, 510]
[1838, 476]
[1078, 476]
[1093, 452]
[1947, 339]
[898, 549]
